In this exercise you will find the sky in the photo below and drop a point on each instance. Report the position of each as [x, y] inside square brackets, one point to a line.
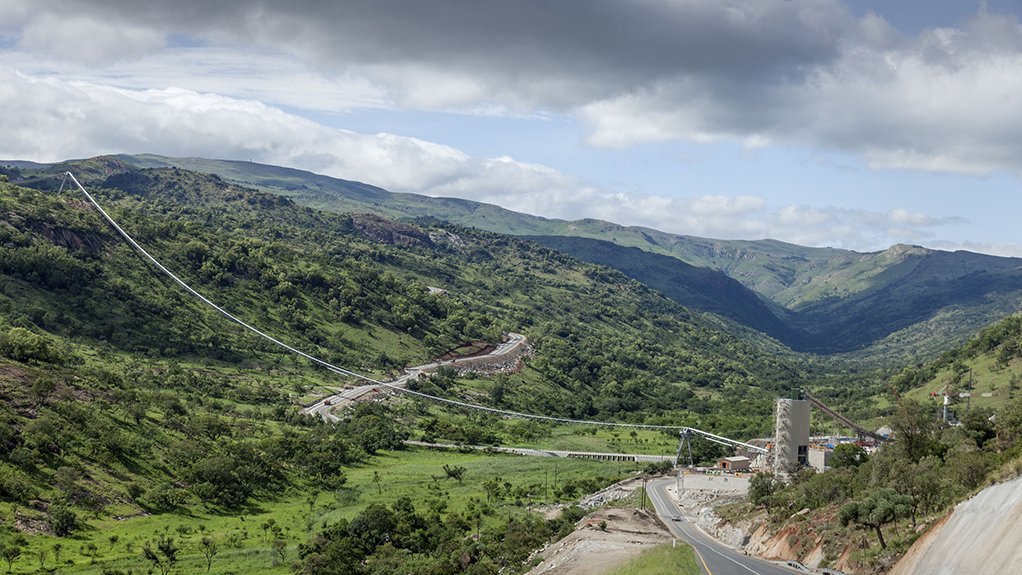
[855, 124]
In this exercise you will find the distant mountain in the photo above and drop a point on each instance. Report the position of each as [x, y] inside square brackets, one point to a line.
[903, 302]
[691, 286]
[921, 296]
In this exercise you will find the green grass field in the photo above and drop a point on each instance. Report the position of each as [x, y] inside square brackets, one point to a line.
[246, 539]
[663, 560]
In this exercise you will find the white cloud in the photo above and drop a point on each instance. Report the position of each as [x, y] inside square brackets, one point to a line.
[265, 76]
[767, 73]
[1010, 250]
[905, 217]
[49, 120]
[79, 37]
[941, 102]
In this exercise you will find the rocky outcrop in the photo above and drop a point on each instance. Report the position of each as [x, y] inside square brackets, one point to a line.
[88, 242]
[390, 232]
[798, 540]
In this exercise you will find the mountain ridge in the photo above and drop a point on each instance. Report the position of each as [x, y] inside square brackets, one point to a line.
[900, 301]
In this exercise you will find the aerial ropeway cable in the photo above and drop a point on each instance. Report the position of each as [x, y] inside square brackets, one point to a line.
[343, 371]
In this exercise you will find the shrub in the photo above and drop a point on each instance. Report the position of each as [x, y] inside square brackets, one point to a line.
[22, 345]
[63, 519]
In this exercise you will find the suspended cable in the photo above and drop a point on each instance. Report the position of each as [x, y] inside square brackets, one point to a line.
[366, 378]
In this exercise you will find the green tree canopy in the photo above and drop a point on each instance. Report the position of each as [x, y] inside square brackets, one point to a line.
[883, 506]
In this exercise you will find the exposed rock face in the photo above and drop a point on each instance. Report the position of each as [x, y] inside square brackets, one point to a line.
[89, 242]
[601, 543]
[390, 232]
[446, 238]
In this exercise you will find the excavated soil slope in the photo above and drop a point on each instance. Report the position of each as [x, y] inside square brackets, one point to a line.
[592, 550]
[982, 535]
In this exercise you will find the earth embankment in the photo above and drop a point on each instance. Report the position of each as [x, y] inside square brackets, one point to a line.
[982, 535]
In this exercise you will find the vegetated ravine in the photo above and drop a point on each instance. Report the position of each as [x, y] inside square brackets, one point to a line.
[894, 306]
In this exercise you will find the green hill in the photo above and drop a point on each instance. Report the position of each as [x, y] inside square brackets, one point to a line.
[896, 305]
[132, 412]
[984, 373]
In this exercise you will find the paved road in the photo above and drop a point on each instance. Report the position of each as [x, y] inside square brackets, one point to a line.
[324, 406]
[714, 557]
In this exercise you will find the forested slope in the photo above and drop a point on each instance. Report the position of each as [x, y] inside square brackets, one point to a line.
[902, 304]
[123, 396]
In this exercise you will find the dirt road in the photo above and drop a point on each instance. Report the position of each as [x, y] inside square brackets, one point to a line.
[514, 345]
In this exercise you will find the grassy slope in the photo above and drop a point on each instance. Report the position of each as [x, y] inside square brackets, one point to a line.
[991, 362]
[246, 547]
[867, 306]
[126, 338]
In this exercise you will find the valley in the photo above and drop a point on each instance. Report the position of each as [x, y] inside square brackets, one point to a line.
[586, 287]
[870, 306]
[138, 416]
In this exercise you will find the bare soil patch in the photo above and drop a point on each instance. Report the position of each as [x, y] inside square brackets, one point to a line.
[601, 542]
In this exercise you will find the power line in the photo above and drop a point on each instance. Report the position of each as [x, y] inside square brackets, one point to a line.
[343, 371]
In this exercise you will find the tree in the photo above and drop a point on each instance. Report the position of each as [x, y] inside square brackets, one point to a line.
[498, 390]
[222, 481]
[10, 554]
[91, 551]
[848, 455]
[978, 426]
[22, 345]
[914, 429]
[880, 508]
[280, 548]
[377, 481]
[162, 554]
[492, 488]
[42, 388]
[762, 486]
[62, 519]
[40, 556]
[1009, 424]
[454, 472]
[922, 482]
[209, 548]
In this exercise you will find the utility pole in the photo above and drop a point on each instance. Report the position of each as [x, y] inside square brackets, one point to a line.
[968, 398]
[643, 496]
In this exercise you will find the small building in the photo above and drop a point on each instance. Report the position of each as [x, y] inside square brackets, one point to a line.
[819, 458]
[734, 464]
[885, 431]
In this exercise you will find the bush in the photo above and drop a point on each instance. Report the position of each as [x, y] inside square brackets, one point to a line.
[218, 480]
[63, 520]
[762, 486]
[15, 485]
[162, 498]
[22, 345]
